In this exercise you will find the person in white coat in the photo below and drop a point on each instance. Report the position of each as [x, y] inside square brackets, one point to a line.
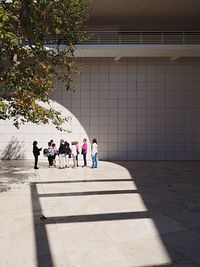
[94, 153]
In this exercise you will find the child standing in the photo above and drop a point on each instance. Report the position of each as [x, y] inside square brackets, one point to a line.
[50, 154]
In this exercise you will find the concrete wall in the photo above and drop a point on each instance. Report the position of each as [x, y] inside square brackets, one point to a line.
[137, 108]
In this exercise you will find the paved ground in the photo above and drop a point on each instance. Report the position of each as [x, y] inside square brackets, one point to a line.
[122, 214]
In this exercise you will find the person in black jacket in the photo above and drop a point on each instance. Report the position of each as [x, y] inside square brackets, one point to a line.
[36, 153]
[67, 155]
[62, 154]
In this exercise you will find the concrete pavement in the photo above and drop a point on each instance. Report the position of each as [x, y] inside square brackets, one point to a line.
[123, 214]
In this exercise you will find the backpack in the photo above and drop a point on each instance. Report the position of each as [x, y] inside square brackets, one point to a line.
[48, 152]
[45, 152]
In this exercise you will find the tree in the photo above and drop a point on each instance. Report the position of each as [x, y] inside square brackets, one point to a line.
[37, 44]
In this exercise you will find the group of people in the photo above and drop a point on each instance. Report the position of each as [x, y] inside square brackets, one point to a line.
[65, 152]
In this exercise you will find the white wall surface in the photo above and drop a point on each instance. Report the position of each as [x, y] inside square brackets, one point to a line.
[137, 108]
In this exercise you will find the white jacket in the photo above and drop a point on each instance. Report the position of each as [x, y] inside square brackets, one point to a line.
[74, 150]
[94, 149]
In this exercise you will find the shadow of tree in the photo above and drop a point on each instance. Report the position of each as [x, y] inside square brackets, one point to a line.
[14, 150]
[14, 173]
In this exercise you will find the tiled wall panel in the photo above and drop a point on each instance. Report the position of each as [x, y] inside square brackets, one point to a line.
[137, 108]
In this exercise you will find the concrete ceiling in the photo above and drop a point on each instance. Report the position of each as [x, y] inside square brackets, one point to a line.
[144, 15]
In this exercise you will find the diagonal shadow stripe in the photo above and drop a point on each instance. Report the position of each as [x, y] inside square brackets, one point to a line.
[99, 217]
[85, 181]
[90, 193]
[42, 245]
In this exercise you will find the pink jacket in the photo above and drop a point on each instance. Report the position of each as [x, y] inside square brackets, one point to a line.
[84, 148]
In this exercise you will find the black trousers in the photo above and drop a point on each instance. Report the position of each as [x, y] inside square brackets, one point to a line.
[77, 160]
[50, 159]
[84, 159]
[36, 161]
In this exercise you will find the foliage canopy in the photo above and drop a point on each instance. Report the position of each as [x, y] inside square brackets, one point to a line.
[37, 44]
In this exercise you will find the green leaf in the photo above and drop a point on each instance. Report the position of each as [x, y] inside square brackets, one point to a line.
[28, 70]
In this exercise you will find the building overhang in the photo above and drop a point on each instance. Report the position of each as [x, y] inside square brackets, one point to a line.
[133, 44]
[118, 51]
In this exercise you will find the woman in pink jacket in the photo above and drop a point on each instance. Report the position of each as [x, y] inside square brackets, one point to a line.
[84, 152]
